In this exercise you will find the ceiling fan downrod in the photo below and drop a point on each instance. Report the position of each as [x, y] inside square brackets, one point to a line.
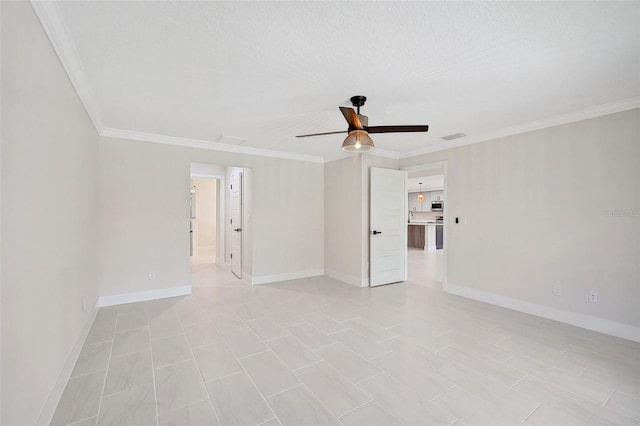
[358, 101]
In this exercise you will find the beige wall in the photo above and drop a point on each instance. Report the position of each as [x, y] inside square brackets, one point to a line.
[49, 186]
[343, 216]
[535, 207]
[144, 220]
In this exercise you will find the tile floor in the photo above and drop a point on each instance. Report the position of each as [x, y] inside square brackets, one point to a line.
[319, 352]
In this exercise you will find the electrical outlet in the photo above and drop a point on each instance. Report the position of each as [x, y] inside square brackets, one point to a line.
[593, 297]
[557, 290]
[152, 275]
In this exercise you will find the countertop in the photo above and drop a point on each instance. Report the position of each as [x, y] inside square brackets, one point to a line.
[425, 223]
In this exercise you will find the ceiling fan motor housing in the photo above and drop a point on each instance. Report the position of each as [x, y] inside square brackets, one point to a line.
[358, 101]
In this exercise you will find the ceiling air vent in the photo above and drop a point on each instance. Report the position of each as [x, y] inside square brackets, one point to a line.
[453, 136]
[231, 140]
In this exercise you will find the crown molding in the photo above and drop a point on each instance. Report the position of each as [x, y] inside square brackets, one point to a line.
[583, 114]
[203, 144]
[58, 35]
[385, 153]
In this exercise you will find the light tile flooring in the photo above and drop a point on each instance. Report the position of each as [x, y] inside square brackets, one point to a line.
[319, 352]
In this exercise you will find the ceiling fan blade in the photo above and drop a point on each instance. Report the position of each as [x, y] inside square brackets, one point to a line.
[351, 117]
[396, 129]
[320, 134]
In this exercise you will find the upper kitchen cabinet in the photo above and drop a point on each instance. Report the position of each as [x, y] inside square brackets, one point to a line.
[436, 196]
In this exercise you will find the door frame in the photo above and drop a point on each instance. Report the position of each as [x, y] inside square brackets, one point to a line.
[430, 166]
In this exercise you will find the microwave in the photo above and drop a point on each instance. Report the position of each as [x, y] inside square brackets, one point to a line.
[437, 206]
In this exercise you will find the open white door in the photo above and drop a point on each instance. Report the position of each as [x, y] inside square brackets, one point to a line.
[236, 223]
[388, 226]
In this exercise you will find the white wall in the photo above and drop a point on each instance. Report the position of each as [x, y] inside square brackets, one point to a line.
[141, 180]
[535, 205]
[49, 201]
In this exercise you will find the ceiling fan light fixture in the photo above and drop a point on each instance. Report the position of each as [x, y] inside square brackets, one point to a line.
[358, 141]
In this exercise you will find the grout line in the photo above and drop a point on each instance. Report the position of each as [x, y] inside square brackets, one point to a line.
[317, 397]
[106, 373]
[81, 420]
[253, 383]
[442, 393]
[519, 380]
[604, 404]
[195, 361]
[339, 331]
[369, 378]
[585, 370]
[284, 390]
[254, 354]
[509, 357]
[377, 356]
[446, 347]
[450, 364]
[308, 365]
[267, 421]
[388, 339]
[355, 408]
[222, 377]
[153, 375]
[531, 413]
[321, 347]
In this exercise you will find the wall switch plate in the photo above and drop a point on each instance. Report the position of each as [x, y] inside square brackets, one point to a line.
[593, 297]
[557, 290]
[152, 275]
[83, 304]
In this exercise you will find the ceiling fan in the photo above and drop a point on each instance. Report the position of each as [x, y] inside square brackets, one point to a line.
[358, 139]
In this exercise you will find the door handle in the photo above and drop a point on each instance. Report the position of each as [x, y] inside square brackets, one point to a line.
[237, 229]
[376, 232]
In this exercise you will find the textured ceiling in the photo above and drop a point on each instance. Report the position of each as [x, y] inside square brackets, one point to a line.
[266, 71]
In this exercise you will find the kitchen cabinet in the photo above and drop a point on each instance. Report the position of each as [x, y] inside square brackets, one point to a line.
[436, 196]
[416, 235]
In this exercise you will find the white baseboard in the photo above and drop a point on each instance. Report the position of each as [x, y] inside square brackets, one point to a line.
[142, 296]
[588, 322]
[49, 408]
[349, 279]
[266, 279]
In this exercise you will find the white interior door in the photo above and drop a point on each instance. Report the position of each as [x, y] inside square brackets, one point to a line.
[236, 223]
[388, 226]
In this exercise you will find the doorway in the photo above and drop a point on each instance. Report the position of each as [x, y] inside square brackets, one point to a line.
[220, 225]
[204, 220]
[427, 224]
